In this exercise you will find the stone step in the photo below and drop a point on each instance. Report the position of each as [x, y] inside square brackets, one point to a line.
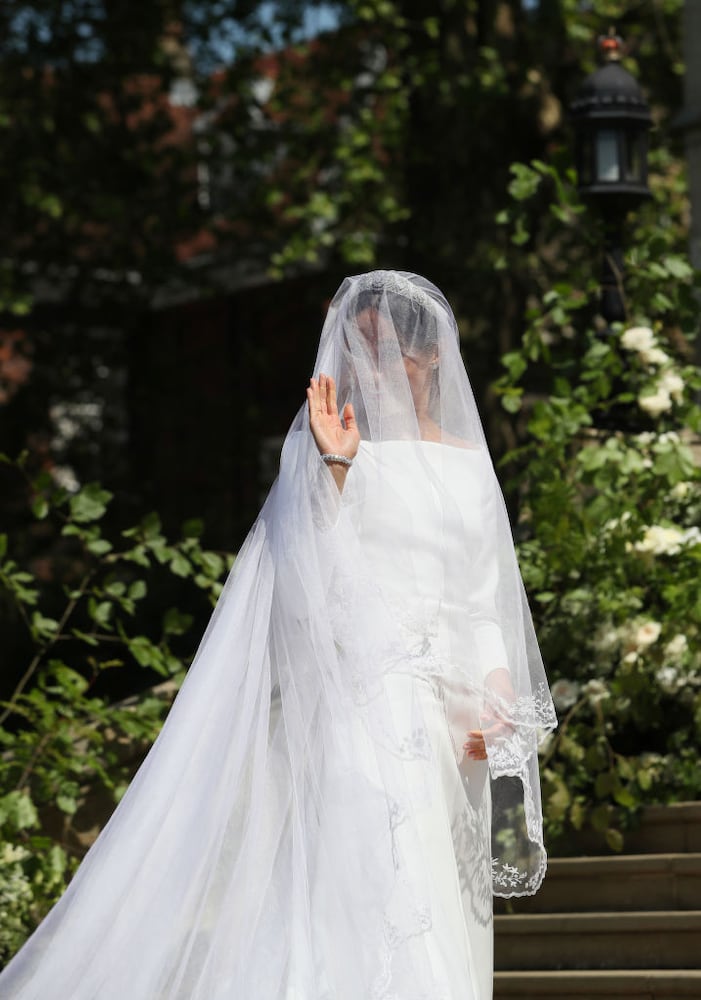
[635, 940]
[623, 882]
[674, 828]
[667, 984]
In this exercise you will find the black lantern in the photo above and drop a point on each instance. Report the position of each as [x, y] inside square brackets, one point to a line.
[611, 118]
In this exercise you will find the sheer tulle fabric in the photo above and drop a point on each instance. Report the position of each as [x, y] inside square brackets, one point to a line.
[306, 826]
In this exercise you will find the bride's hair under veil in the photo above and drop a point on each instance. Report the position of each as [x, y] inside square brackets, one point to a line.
[286, 836]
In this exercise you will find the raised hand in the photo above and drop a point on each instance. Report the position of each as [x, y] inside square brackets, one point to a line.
[330, 434]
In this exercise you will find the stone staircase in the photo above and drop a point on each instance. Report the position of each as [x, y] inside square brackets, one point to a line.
[611, 927]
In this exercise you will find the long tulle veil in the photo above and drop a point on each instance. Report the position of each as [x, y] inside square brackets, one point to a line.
[267, 849]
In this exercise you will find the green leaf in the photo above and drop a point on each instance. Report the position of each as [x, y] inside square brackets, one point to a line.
[596, 757]
[84, 637]
[520, 235]
[512, 401]
[525, 181]
[515, 364]
[42, 626]
[180, 566]
[69, 681]
[100, 612]
[137, 590]
[18, 810]
[559, 800]
[193, 528]
[40, 507]
[56, 860]
[161, 550]
[145, 652]
[175, 622]
[678, 267]
[432, 27]
[605, 784]
[577, 815]
[644, 778]
[67, 804]
[614, 838]
[212, 563]
[624, 797]
[99, 546]
[90, 504]
[137, 555]
[600, 817]
[151, 526]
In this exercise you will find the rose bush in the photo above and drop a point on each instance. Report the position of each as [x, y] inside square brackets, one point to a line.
[608, 493]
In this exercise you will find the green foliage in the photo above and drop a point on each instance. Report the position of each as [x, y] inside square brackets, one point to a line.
[60, 738]
[609, 488]
[383, 142]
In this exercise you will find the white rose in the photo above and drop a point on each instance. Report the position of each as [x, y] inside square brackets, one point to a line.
[676, 647]
[654, 356]
[617, 522]
[681, 490]
[645, 438]
[673, 384]
[667, 679]
[692, 536]
[630, 658]
[638, 338]
[607, 639]
[661, 541]
[646, 634]
[655, 403]
[596, 691]
[12, 853]
[667, 541]
[668, 437]
[564, 693]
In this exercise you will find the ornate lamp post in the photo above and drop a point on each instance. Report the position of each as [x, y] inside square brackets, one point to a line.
[611, 119]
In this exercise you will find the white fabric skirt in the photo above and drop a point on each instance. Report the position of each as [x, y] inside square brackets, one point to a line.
[451, 812]
[440, 950]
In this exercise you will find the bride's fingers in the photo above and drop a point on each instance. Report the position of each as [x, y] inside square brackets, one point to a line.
[313, 397]
[331, 403]
[349, 417]
[475, 746]
[474, 738]
[323, 391]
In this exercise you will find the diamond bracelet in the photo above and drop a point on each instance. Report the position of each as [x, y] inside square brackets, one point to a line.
[341, 459]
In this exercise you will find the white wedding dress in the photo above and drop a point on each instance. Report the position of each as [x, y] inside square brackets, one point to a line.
[411, 568]
[306, 826]
[450, 795]
[450, 802]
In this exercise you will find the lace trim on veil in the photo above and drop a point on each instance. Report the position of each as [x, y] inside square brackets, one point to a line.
[391, 281]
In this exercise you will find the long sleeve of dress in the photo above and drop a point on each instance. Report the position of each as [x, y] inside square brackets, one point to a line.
[482, 596]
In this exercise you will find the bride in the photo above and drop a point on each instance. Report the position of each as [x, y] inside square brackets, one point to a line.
[350, 769]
